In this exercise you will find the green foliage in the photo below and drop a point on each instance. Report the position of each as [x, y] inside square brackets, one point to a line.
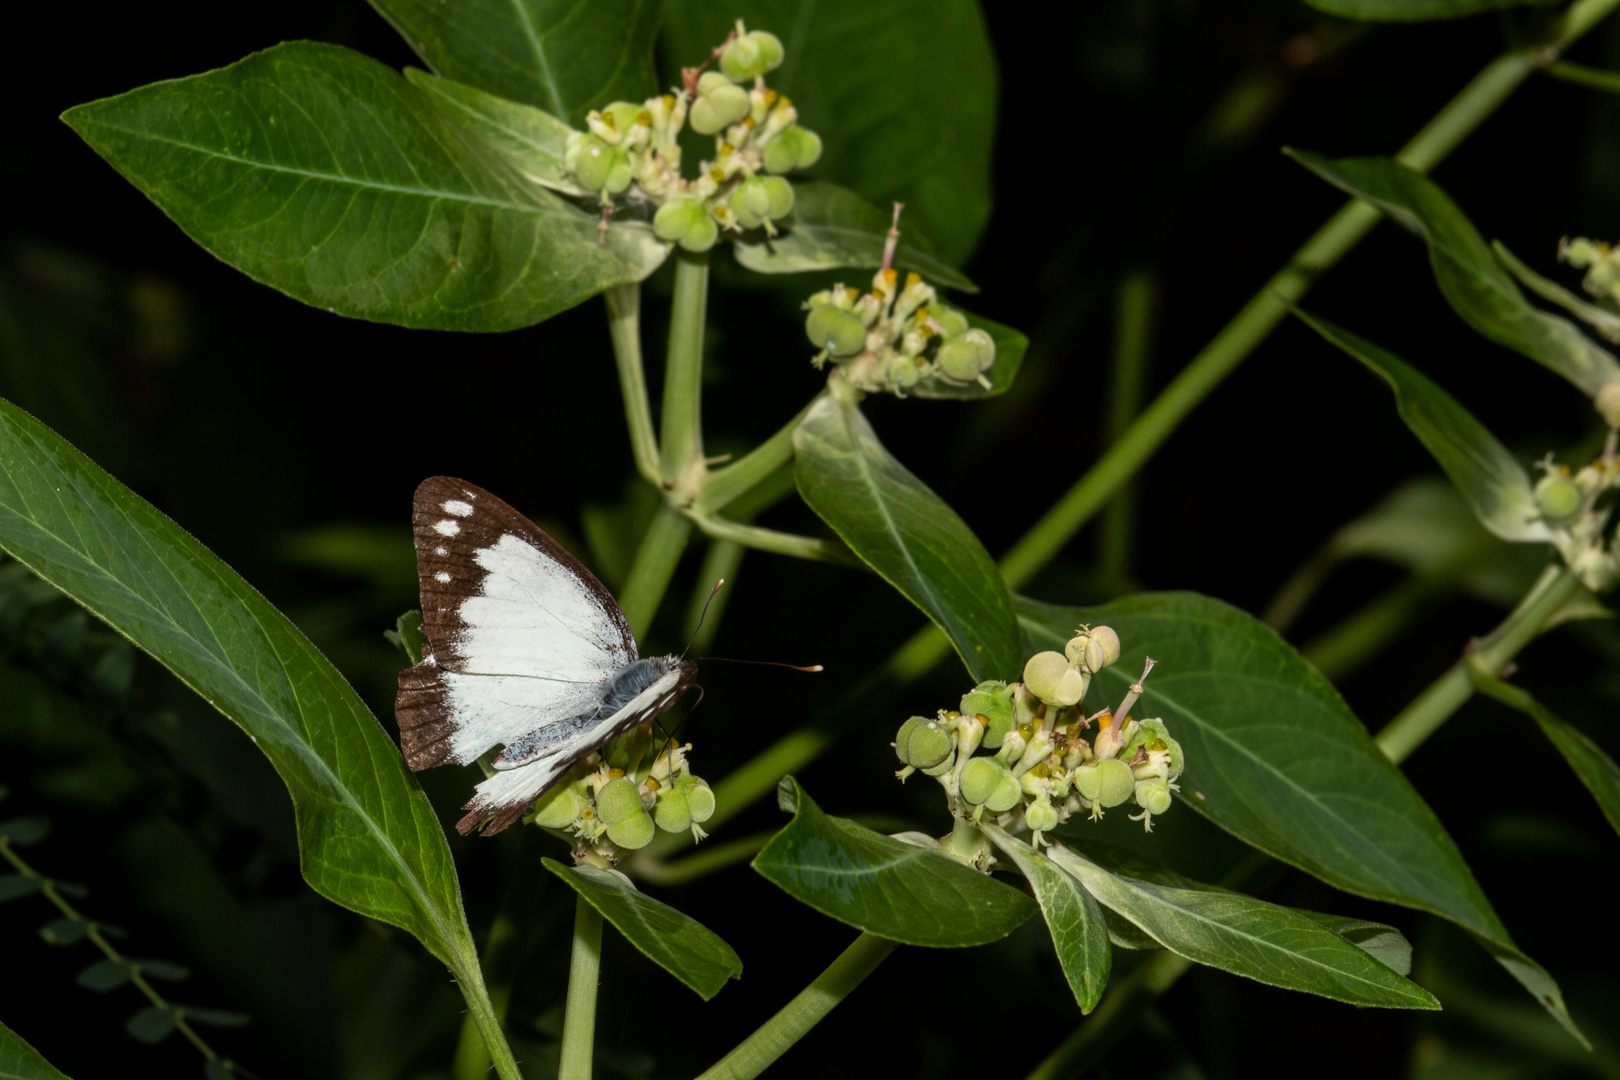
[674, 941]
[885, 886]
[369, 838]
[321, 173]
[1073, 918]
[540, 52]
[1412, 10]
[1473, 282]
[19, 1061]
[903, 95]
[906, 533]
[1490, 478]
[1284, 765]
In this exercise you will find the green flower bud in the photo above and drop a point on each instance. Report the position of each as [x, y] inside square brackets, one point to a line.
[964, 359]
[559, 807]
[1008, 794]
[699, 796]
[952, 322]
[1153, 734]
[928, 745]
[633, 832]
[686, 222]
[1041, 815]
[991, 701]
[601, 167]
[836, 330]
[1116, 783]
[760, 199]
[981, 777]
[1087, 780]
[1050, 678]
[618, 800]
[751, 55]
[903, 737]
[673, 810]
[792, 148]
[720, 103]
[1093, 649]
[1607, 402]
[780, 194]
[618, 121]
[944, 765]
[1153, 795]
[969, 733]
[1559, 499]
[1025, 704]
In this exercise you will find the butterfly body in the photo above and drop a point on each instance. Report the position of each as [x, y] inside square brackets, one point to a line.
[526, 650]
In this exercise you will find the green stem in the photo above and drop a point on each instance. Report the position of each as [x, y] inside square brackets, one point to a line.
[1595, 78]
[470, 979]
[1447, 694]
[624, 326]
[472, 1060]
[706, 860]
[755, 1053]
[584, 971]
[1113, 1017]
[779, 543]
[656, 559]
[1133, 333]
[682, 427]
[724, 485]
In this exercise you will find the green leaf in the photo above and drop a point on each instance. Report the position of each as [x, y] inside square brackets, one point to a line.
[902, 93]
[563, 56]
[214, 1017]
[1599, 318]
[1382, 942]
[25, 830]
[152, 1024]
[1489, 477]
[16, 886]
[1010, 348]
[1412, 10]
[1073, 917]
[832, 227]
[322, 173]
[907, 534]
[1596, 769]
[1276, 757]
[105, 975]
[884, 886]
[530, 140]
[19, 1061]
[63, 931]
[163, 969]
[673, 940]
[407, 635]
[1470, 278]
[367, 836]
[1248, 937]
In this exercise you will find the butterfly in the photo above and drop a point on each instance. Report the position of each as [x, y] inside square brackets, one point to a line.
[525, 650]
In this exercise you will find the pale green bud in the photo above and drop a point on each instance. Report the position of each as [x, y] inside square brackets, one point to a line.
[969, 734]
[1025, 703]
[993, 702]
[686, 222]
[964, 359]
[1008, 793]
[928, 745]
[751, 55]
[1559, 499]
[1116, 784]
[618, 122]
[618, 800]
[1038, 748]
[1087, 780]
[792, 148]
[1100, 648]
[840, 332]
[1153, 795]
[902, 737]
[1155, 737]
[601, 167]
[633, 832]
[699, 798]
[559, 807]
[981, 778]
[1050, 678]
[673, 810]
[1041, 815]
[780, 195]
[719, 103]
[953, 323]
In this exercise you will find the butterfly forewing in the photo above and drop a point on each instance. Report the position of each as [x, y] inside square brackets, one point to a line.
[519, 634]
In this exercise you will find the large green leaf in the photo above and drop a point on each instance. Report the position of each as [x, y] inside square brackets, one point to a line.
[565, 56]
[1490, 478]
[1596, 769]
[1473, 282]
[19, 1061]
[1275, 757]
[1412, 10]
[1248, 937]
[833, 227]
[905, 532]
[531, 140]
[885, 886]
[903, 94]
[367, 837]
[1073, 917]
[324, 174]
[673, 940]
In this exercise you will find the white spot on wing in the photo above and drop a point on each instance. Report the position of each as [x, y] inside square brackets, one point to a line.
[442, 578]
[441, 551]
[458, 508]
[447, 527]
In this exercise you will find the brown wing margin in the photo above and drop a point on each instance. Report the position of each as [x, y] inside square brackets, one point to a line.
[425, 725]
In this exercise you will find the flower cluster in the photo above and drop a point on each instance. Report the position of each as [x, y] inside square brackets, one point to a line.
[633, 150]
[616, 799]
[1018, 754]
[890, 339]
[1569, 506]
[1601, 263]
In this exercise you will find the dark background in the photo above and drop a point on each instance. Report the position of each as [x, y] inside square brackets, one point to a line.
[1125, 145]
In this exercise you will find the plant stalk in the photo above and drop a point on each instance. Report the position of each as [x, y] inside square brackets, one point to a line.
[624, 327]
[584, 972]
[656, 559]
[681, 452]
[779, 543]
[755, 1053]
[724, 485]
[1134, 305]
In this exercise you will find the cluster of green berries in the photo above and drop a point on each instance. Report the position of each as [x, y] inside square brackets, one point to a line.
[1573, 507]
[1019, 755]
[1601, 263]
[890, 339]
[633, 150]
[616, 800]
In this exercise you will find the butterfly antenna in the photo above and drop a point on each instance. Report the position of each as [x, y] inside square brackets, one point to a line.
[703, 615]
[763, 663]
